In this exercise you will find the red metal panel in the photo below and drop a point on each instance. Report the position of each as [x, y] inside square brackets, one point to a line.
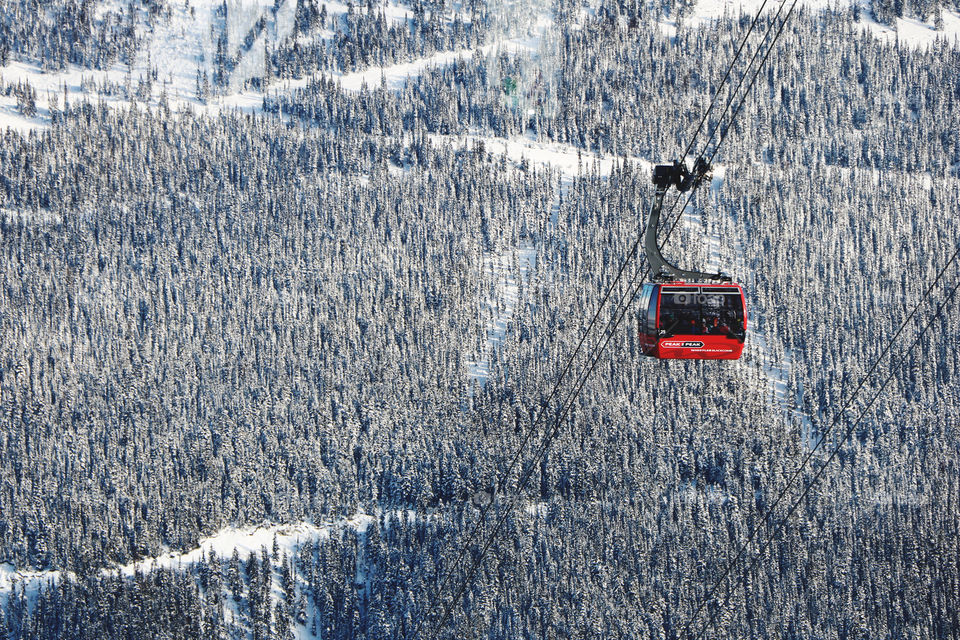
[697, 347]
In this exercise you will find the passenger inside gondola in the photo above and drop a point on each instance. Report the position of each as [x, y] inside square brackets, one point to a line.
[679, 313]
[717, 326]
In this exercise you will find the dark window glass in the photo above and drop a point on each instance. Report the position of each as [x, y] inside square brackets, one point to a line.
[722, 312]
[680, 311]
[642, 308]
[710, 311]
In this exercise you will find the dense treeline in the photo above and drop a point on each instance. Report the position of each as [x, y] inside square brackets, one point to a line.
[366, 38]
[212, 321]
[314, 314]
[835, 113]
[61, 32]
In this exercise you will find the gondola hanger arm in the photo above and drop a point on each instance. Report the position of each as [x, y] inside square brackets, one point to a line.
[666, 176]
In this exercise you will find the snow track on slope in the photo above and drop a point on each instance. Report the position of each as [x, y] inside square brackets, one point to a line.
[717, 231]
[725, 248]
[289, 538]
[507, 273]
[245, 540]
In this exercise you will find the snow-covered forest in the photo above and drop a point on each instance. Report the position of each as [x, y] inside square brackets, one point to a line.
[277, 312]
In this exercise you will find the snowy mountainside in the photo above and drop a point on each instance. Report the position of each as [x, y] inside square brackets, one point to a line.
[210, 55]
[286, 292]
[204, 53]
[281, 550]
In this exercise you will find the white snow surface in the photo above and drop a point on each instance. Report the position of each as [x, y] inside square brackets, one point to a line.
[34, 217]
[183, 44]
[30, 580]
[907, 32]
[391, 77]
[568, 160]
[914, 33]
[707, 10]
[508, 271]
[245, 540]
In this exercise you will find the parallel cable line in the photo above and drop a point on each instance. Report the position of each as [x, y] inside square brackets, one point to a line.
[633, 289]
[726, 108]
[621, 310]
[534, 427]
[568, 405]
[733, 118]
[753, 80]
[723, 81]
[839, 415]
[618, 315]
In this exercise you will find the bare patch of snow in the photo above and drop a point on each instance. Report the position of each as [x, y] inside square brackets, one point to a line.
[12, 580]
[509, 270]
[710, 10]
[37, 216]
[906, 32]
[245, 540]
[395, 77]
[536, 509]
[568, 160]
[912, 33]
[668, 29]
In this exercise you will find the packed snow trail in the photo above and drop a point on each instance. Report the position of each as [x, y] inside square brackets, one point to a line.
[509, 271]
[722, 238]
[506, 274]
[289, 539]
[179, 48]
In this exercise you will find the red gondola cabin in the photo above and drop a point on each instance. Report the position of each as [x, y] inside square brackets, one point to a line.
[697, 321]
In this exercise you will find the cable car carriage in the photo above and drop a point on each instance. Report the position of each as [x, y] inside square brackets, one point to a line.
[687, 314]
